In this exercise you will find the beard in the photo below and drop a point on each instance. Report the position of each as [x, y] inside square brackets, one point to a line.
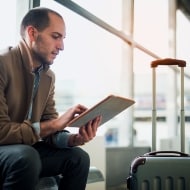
[39, 52]
[41, 58]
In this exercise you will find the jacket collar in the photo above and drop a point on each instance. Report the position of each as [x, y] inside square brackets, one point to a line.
[27, 58]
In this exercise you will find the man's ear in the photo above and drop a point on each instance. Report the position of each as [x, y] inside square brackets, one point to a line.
[32, 33]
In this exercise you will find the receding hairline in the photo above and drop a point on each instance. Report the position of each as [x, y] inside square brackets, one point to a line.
[48, 10]
[30, 18]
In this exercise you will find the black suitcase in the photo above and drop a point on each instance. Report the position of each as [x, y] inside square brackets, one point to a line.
[162, 170]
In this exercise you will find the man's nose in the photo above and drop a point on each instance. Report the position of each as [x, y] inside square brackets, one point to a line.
[61, 45]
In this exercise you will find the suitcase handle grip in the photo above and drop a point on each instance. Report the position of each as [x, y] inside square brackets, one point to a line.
[166, 153]
[168, 61]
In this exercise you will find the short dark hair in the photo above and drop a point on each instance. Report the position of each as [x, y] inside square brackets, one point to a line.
[37, 17]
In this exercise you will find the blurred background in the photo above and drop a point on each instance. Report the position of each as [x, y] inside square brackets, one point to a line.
[108, 50]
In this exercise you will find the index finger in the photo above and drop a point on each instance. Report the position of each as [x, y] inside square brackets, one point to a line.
[80, 109]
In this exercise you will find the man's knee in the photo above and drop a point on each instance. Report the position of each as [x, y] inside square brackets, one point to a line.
[20, 166]
[82, 156]
[22, 157]
[29, 156]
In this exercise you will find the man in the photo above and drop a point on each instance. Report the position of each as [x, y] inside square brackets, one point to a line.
[33, 141]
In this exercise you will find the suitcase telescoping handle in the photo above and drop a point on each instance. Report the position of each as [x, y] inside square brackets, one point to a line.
[169, 62]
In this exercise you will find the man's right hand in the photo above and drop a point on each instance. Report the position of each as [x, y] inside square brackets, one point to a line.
[52, 126]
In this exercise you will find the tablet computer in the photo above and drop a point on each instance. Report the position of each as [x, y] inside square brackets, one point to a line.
[108, 108]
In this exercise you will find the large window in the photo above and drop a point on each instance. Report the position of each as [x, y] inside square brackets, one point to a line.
[91, 65]
[95, 62]
[8, 23]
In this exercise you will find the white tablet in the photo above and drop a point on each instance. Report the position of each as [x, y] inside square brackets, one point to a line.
[108, 108]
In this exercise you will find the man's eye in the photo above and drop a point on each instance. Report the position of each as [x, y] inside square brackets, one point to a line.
[55, 36]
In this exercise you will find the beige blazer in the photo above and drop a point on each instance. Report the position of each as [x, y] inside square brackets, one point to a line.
[16, 85]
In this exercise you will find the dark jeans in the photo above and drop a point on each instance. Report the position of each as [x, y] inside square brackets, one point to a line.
[21, 166]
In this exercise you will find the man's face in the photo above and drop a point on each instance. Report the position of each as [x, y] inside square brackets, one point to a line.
[49, 42]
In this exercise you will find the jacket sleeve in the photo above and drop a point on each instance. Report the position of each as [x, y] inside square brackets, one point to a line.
[14, 132]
